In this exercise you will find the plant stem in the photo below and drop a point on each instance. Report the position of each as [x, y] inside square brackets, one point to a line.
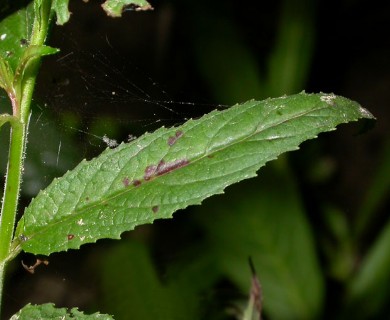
[19, 129]
[2, 273]
[11, 192]
[12, 187]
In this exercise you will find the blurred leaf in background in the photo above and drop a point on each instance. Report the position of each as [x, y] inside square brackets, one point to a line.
[270, 226]
[133, 288]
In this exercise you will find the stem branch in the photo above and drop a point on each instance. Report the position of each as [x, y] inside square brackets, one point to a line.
[19, 129]
[11, 193]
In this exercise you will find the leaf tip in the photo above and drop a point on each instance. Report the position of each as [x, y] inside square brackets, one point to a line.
[365, 113]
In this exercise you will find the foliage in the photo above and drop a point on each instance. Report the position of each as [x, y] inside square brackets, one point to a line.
[170, 169]
[167, 170]
[48, 311]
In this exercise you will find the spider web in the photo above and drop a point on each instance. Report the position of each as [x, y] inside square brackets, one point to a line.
[88, 101]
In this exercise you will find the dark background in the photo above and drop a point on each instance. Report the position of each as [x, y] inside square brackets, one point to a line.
[155, 63]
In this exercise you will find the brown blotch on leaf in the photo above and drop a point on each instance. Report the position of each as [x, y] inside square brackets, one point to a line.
[172, 139]
[70, 236]
[160, 165]
[155, 209]
[126, 182]
[136, 183]
[149, 172]
[166, 167]
[31, 269]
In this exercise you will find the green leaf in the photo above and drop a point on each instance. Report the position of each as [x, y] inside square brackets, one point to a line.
[49, 312]
[4, 118]
[367, 294]
[15, 51]
[35, 51]
[62, 11]
[338, 245]
[213, 35]
[170, 169]
[31, 53]
[264, 219]
[132, 289]
[114, 8]
[290, 58]
[377, 192]
[221, 51]
[6, 75]
[15, 31]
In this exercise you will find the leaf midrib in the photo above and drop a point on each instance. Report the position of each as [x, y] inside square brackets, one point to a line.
[79, 212]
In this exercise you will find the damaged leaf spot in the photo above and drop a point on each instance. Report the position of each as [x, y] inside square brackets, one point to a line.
[70, 236]
[155, 209]
[329, 99]
[126, 182]
[172, 139]
[136, 183]
[149, 172]
[166, 167]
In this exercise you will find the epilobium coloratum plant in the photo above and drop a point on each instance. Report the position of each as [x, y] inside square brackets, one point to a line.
[146, 179]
